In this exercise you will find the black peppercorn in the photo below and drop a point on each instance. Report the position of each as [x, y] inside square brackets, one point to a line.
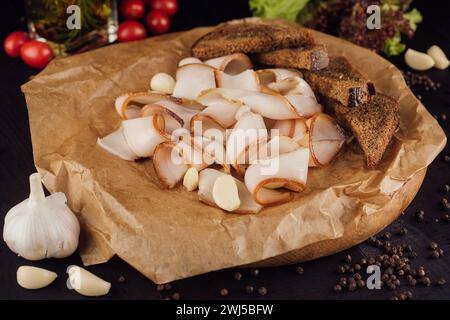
[363, 261]
[249, 289]
[348, 258]
[167, 286]
[433, 246]
[160, 287]
[343, 281]
[447, 158]
[262, 291]
[426, 281]
[176, 296]
[441, 281]
[357, 276]
[254, 272]
[337, 288]
[357, 267]
[299, 270]
[121, 279]
[352, 286]
[421, 272]
[360, 283]
[403, 231]
[446, 188]
[224, 292]
[237, 276]
[341, 269]
[435, 254]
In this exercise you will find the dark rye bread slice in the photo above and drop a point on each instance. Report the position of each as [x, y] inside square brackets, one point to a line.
[341, 82]
[310, 57]
[372, 123]
[249, 37]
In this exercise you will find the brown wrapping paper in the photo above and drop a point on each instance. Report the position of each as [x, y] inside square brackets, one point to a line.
[169, 235]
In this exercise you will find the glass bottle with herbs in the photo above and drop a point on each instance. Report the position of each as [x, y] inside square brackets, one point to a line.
[96, 23]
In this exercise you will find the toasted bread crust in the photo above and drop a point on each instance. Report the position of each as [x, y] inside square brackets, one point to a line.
[340, 82]
[307, 57]
[249, 37]
[372, 123]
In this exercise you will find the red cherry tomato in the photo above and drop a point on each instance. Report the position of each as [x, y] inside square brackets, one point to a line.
[157, 21]
[36, 54]
[169, 7]
[132, 9]
[14, 42]
[131, 31]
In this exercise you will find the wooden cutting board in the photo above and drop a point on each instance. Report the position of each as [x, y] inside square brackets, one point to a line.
[368, 226]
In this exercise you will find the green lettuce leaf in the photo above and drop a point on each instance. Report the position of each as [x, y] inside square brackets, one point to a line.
[414, 17]
[394, 45]
[287, 9]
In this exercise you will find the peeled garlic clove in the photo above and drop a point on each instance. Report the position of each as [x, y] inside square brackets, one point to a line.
[225, 193]
[86, 283]
[162, 82]
[439, 57]
[418, 60]
[190, 180]
[188, 60]
[34, 278]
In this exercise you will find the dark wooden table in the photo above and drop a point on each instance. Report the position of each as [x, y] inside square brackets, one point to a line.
[282, 282]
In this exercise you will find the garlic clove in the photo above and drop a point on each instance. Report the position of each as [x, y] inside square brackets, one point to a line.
[41, 227]
[190, 180]
[418, 60]
[188, 60]
[440, 59]
[225, 193]
[86, 283]
[162, 82]
[34, 278]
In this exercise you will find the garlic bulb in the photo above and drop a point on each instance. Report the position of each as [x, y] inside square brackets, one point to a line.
[41, 227]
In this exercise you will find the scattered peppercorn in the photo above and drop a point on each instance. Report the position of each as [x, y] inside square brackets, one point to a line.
[420, 215]
[121, 279]
[360, 283]
[167, 286]
[237, 276]
[357, 267]
[435, 254]
[402, 231]
[254, 272]
[299, 270]
[426, 281]
[224, 292]
[348, 258]
[443, 116]
[341, 269]
[249, 289]
[447, 158]
[433, 245]
[160, 287]
[176, 296]
[337, 288]
[441, 281]
[446, 188]
[262, 291]
[387, 235]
